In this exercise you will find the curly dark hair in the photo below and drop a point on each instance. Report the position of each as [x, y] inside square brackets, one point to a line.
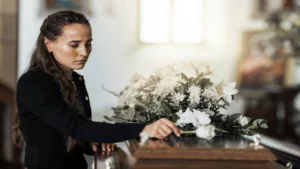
[42, 60]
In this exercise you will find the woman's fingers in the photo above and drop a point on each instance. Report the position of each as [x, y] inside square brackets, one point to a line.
[94, 146]
[103, 146]
[112, 146]
[107, 146]
[171, 126]
[161, 128]
[166, 129]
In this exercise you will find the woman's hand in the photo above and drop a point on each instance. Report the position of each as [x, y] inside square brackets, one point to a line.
[104, 146]
[161, 128]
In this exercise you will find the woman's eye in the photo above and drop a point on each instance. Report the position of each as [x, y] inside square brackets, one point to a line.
[88, 44]
[74, 45]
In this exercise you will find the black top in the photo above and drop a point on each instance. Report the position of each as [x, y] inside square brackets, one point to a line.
[46, 120]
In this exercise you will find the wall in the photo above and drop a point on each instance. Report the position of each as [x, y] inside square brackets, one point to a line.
[117, 53]
[8, 42]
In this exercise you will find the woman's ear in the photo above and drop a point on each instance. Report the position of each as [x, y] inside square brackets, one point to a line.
[48, 44]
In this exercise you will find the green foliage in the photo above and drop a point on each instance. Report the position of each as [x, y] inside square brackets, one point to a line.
[198, 78]
[233, 117]
[204, 83]
[166, 107]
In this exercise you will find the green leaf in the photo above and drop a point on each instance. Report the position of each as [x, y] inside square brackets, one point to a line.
[234, 117]
[198, 78]
[204, 83]
[174, 118]
[184, 76]
[181, 89]
[226, 103]
[253, 127]
[182, 83]
[260, 123]
[166, 107]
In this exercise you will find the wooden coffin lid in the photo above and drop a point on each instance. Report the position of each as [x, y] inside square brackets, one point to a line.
[219, 148]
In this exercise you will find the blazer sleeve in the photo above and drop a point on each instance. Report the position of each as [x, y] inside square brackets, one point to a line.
[38, 93]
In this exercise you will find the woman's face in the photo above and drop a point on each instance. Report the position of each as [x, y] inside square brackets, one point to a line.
[73, 47]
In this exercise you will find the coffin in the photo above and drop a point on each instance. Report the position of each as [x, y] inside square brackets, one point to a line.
[230, 152]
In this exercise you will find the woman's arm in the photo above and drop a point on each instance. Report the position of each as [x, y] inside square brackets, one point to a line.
[38, 93]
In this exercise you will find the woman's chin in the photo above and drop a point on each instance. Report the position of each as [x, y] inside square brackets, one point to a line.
[78, 67]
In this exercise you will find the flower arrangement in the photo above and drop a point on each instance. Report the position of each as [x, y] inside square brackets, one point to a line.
[185, 94]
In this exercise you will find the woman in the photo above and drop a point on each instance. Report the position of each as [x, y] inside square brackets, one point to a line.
[53, 106]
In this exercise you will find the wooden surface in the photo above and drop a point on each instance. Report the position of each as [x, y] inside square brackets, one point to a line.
[189, 152]
[219, 148]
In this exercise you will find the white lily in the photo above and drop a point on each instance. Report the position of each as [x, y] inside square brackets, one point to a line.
[227, 90]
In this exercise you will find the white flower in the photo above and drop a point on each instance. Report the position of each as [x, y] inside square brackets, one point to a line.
[209, 112]
[243, 120]
[211, 93]
[139, 84]
[206, 132]
[177, 98]
[185, 118]
[227, 90]
[196, 117]
[128, 97]
[194, 97]
[200, 118]
[165, 86]
[131, 105]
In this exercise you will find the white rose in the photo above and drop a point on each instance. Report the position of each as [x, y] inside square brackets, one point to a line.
[206, 132]
[185, 118]
[243, 120]
[200, 118]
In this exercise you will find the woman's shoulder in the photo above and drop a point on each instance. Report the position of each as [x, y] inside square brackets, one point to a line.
[35, 76]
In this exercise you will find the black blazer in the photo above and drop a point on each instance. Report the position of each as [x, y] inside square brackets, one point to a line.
[46, 120]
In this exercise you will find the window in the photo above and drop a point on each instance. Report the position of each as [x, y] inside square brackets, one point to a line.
[177, 21]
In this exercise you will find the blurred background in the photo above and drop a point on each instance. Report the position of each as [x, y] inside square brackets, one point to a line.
[255, 43]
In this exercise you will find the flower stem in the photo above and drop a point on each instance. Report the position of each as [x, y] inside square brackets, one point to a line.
[194, 131]
[220, 130]
[187, 132]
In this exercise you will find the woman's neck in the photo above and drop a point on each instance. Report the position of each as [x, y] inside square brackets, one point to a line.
[67, 72]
